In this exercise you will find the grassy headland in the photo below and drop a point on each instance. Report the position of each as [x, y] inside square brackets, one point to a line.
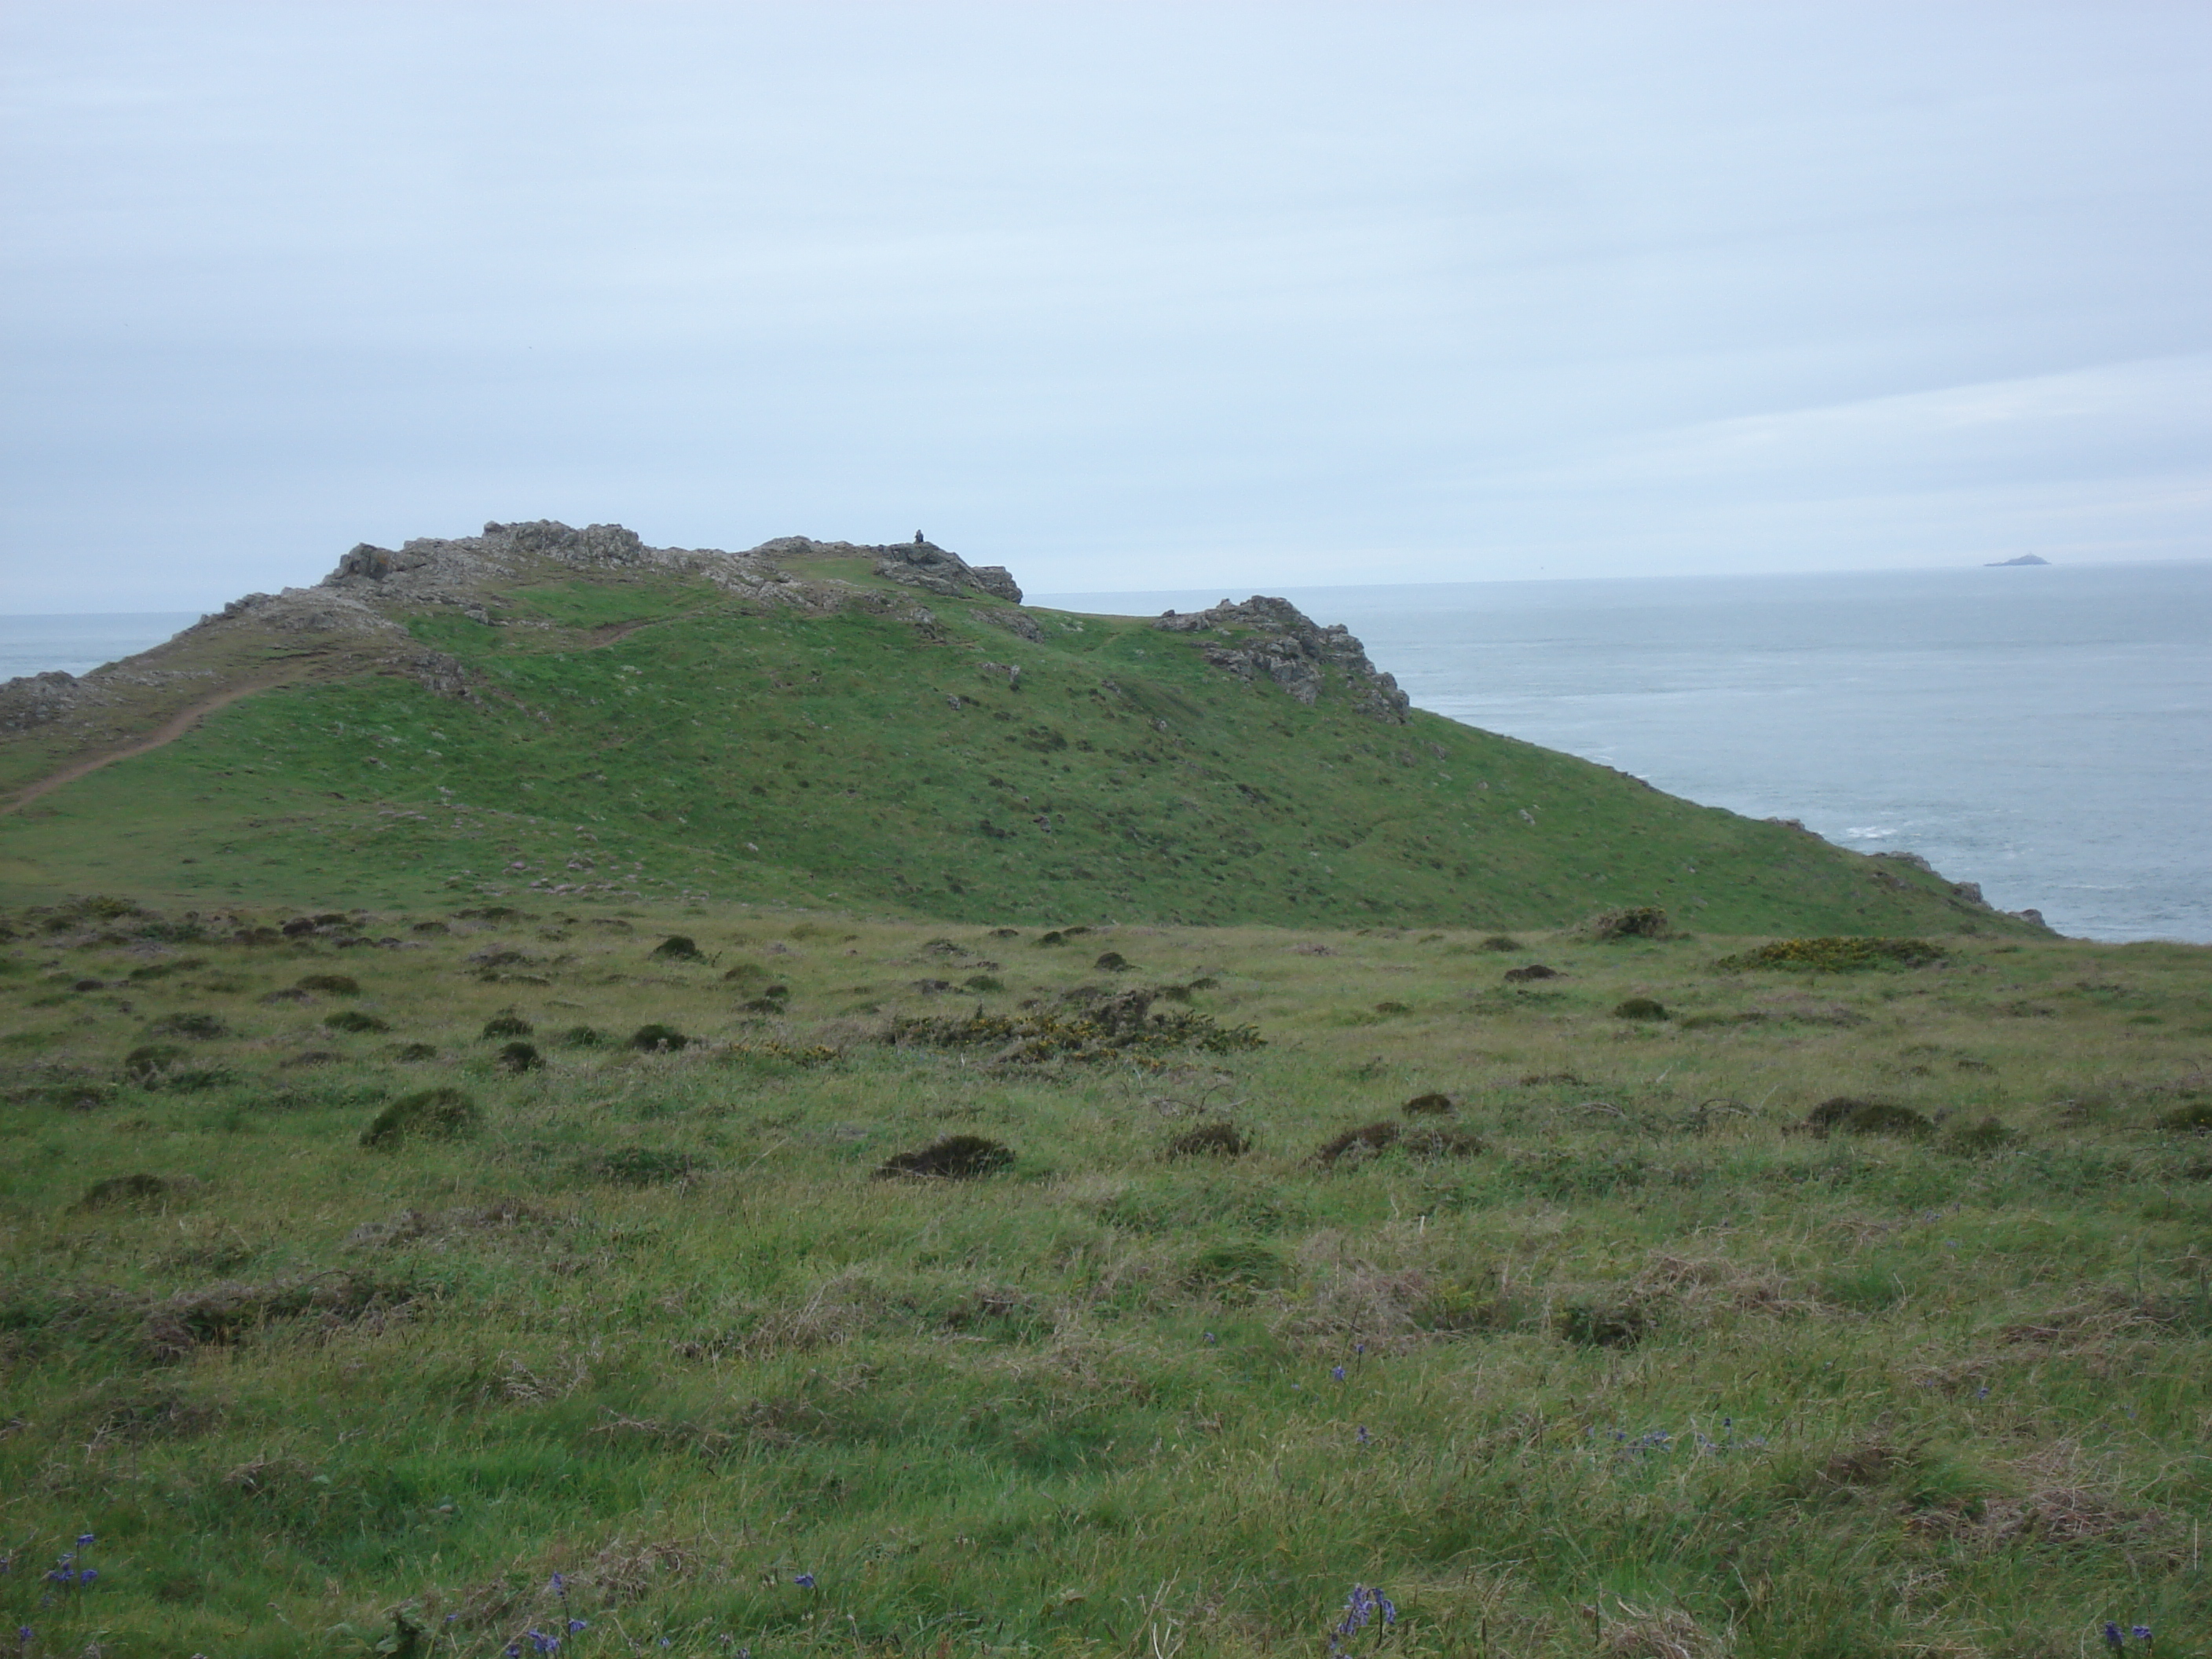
[653, 730]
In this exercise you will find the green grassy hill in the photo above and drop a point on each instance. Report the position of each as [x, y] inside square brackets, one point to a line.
[835, 737]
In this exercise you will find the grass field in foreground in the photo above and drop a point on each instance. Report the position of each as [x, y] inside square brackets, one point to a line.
[1610, 1352]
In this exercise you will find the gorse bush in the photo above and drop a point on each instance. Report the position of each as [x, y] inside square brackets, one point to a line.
[1836, 956]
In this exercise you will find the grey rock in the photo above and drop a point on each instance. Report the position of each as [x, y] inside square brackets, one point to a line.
[1272, 636]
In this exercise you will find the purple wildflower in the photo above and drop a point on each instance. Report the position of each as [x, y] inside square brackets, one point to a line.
[804, 1581]
[1365, 1438]
[83, 1540]
[575, 1625]
[2141, 1633]
[1336, 1372]
[2114, 1639]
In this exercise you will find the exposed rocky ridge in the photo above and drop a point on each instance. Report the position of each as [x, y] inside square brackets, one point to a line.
[344, 622]
[1275, 637]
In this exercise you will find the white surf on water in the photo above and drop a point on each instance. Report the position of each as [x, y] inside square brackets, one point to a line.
[2046, 732]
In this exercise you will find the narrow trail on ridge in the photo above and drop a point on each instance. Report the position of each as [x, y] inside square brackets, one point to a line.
[167, 732]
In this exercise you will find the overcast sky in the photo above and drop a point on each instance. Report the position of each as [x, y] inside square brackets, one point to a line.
[1122, 296]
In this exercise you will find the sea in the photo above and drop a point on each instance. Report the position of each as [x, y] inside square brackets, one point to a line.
[2045, 731]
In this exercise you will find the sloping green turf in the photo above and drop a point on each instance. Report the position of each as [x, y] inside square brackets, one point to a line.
[655, 735]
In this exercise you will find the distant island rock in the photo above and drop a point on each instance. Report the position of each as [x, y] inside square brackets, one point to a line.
[2025, 558]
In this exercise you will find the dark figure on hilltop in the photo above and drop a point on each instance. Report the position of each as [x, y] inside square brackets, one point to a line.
[918, 540]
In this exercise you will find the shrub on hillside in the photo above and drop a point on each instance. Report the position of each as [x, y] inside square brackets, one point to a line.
[352, 1019]
[330, 984]
[678, 948]
[656, 1038]
[508, 1025]
[1641, 1008]
[1637, 921]
[1836, 956]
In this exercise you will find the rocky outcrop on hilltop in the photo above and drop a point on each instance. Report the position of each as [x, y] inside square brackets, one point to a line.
[459, 570]
[924, 564]
[1273, 637]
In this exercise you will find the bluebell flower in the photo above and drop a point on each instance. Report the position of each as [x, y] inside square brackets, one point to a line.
[575, 1625]
[1211, 1337]
[2112, 1637]
[88, 1575]
[1359, 1347]
[560, 1587]
[2141, 1633]
[83, 1540]
[1365, 1438]
[804, 1581]
[1337, 1372]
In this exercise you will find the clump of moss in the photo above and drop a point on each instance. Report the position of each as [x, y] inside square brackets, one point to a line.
[508, 1025]
[1498, 942]
[1641, 1008]
[1113, 961]
[956, 1157]
[1429, 1105]
[1836, 956]
[432, 1115]
[678, 948]
[520, 1057]
[1221, 1140]
[352, 1019]
[984, 982]
[330, 984]
[1866, 1117]
[415, 1051]
[2194, 1118]
[651, 1039]
[583, 1036]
